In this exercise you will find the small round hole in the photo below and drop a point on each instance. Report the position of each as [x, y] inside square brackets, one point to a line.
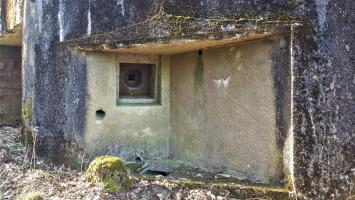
[200, 52]
[100, 115]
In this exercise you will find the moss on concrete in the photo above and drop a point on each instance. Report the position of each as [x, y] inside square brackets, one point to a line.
[111, 172]
[27, 138]
[199, 71]
[27, 112]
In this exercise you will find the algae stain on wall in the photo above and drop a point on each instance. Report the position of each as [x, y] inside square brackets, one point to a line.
[199, 80]
[227, 119]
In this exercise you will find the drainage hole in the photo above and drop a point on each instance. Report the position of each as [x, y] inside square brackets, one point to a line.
[100, 115]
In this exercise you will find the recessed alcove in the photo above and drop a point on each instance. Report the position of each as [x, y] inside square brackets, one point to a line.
[224, 109]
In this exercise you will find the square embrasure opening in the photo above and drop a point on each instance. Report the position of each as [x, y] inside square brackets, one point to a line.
[137, 83]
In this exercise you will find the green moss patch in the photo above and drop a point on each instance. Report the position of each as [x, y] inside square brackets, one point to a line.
[33, 196]
[111, 172]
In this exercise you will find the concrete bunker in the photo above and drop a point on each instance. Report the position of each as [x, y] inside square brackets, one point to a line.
[221, 109]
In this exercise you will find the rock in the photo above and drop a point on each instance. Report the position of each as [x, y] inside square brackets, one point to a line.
[111, 172]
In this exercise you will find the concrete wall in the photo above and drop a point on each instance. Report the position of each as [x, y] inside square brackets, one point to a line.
[322, 70]
[54, 84]
[127, 130]
[10, 85]
[224, 112]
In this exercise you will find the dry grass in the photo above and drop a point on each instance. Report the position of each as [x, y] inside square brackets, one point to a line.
[22, 174]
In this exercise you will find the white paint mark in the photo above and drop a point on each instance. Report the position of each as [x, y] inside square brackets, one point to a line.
[222, 83]
[121, 3]
[88, 32]
[321, 6]
[60, 21]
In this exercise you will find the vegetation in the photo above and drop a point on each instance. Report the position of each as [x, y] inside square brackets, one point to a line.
[111, 172]
[34, 196]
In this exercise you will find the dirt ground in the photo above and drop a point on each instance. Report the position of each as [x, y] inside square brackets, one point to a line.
[22, 174]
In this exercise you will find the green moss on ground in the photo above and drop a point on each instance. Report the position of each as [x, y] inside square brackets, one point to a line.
[111, 172]
[33, 196]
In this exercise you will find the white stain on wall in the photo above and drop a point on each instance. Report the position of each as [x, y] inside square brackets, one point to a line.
[88, 31]
[322, 11]
[222, 84]
[60, 21]
[39, 15]
[89, 23]
[121, 3]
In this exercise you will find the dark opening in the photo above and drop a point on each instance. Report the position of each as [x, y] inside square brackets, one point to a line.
[131, 77]
[100, 115]
[137, 80]
[156, 173]
[200, 52]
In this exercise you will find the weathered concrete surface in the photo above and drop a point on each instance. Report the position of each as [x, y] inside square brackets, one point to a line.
[322, 73]
[129, 131]
[54, 98]
[224, 112]
[10, 85]
[323, 102]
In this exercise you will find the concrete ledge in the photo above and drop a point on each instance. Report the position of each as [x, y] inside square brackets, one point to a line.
[169, 34]
[231, 190]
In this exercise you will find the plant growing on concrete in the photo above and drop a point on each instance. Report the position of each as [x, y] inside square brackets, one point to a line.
[111, 172]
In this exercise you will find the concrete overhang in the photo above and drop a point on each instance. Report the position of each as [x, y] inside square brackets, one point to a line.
[180, 34]
[164, 46]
